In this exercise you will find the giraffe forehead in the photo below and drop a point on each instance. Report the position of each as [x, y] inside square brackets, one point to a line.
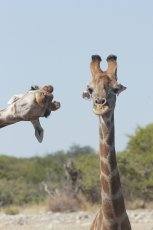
[102, 82]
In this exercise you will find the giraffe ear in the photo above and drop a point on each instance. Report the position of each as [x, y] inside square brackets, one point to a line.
[118, 88]
[34, 87]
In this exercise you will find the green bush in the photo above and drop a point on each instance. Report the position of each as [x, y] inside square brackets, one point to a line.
[136, 165]
[22, 179]
[142, 140]
[89, 168]
[137, 175]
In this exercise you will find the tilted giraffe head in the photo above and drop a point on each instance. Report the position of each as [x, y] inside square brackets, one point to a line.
[103, 87]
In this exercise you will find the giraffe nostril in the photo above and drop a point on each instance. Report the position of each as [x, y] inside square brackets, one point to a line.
[100, 101]
[103, 101]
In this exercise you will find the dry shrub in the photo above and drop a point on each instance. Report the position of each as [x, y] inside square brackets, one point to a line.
[66, 200]
[12, 210]
[137, 204]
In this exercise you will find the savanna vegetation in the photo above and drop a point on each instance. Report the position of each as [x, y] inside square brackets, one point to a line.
[33, 180]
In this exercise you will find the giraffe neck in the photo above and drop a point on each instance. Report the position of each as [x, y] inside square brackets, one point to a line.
[113, 207]
[2, 115]
[7, 116]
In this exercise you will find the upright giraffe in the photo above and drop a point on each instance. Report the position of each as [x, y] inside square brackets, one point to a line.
[102, 90]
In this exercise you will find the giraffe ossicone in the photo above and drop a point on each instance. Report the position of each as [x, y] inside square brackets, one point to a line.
[30, 106]
[103, 89]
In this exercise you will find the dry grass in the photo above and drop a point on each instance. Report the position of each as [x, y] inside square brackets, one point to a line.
[34, 208]
[139, 204]
[66, 200]
[12, 210]
[63, 203]
[25, 209]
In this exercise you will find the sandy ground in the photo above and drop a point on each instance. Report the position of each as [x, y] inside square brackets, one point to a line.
[140, 220]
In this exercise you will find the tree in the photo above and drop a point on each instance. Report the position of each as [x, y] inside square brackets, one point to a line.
[75, 150]
[142, 141]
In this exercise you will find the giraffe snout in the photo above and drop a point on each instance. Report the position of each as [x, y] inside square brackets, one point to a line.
[100, 106]
[101, 101]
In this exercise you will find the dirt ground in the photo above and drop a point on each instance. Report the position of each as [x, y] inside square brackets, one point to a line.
[140, 220]
[135, 226]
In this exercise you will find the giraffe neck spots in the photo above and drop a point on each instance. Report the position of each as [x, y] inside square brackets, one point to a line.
[115, 196]
[117, 221]
[102, 222]
[106, 131]
[113, 207]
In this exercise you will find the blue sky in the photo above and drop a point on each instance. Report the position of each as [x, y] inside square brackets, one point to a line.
[51, 42]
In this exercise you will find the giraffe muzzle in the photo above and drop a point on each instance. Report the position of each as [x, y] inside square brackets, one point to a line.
[100, 101]
[100, 106]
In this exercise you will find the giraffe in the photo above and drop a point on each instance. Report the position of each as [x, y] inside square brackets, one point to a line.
[103, 89]
[37, 102]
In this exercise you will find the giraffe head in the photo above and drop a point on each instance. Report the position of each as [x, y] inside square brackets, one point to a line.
[104, 86]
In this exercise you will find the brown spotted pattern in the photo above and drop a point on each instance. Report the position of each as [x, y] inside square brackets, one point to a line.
[103, 89]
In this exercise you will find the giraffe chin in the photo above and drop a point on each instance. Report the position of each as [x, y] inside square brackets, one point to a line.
[99, 109]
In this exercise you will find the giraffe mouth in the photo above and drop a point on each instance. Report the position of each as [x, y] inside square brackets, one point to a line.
[100, 109]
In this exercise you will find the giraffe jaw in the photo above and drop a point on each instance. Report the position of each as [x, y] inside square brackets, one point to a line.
[100, 109]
